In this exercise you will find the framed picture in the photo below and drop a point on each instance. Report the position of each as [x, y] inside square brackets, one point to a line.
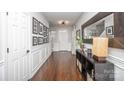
[109, 30]
[45, 40]
[35, 41]
[78, 34]
[35, 23]
[40, 40]
[44, 28]
[41, 29]
[45, 34]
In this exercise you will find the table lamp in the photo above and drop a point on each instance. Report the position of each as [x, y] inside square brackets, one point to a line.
[100, 48]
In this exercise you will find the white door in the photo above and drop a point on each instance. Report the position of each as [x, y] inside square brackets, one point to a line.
[18, 59]
[63, 40]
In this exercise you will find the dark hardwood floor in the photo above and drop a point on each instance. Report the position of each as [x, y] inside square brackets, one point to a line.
[59, 66]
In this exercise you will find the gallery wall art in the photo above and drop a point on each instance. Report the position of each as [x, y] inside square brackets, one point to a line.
[40, 33]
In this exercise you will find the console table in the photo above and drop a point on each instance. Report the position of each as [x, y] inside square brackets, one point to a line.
[90, 68]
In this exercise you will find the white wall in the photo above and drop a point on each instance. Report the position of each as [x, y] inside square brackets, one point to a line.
[61, 38]
[39, 54]
[115, 55]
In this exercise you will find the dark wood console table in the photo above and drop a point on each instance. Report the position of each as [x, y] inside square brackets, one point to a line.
[93, 69]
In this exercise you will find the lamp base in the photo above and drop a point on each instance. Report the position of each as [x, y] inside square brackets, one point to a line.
[99, 59]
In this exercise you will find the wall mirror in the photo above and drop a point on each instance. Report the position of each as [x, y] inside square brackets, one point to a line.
[94, 30]
[105, 24]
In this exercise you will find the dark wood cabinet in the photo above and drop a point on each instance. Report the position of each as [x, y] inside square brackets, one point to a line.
[95, 70]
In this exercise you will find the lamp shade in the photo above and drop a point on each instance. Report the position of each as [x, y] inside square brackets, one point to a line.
[100, 47]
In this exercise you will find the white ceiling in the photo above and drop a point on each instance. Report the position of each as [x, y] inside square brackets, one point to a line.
[54, 17]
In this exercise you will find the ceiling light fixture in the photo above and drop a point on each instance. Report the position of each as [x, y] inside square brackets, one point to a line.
[63, 22]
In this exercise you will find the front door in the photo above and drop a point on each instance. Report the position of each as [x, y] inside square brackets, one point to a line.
[63, 40]
[18, 58]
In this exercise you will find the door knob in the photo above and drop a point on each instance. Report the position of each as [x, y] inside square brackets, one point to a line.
[28, 51]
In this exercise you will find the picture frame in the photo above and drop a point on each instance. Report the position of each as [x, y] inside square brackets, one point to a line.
[40, 40]
[78, 34]
[35, 24]
[47, 31]
[45, 40]
[44, 28]
[41, 29]
[45, 34]
[35, 41]
[109, 30]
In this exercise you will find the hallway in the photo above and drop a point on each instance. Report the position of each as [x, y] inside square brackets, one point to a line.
[33, 45]
[60, 66]
[58, 46]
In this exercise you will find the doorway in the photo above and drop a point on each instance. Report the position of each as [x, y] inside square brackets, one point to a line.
[63, 40]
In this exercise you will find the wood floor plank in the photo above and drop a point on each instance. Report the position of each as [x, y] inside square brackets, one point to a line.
[60, 66]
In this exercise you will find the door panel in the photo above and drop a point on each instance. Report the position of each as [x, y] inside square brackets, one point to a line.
[18, 66]
[35, 60]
